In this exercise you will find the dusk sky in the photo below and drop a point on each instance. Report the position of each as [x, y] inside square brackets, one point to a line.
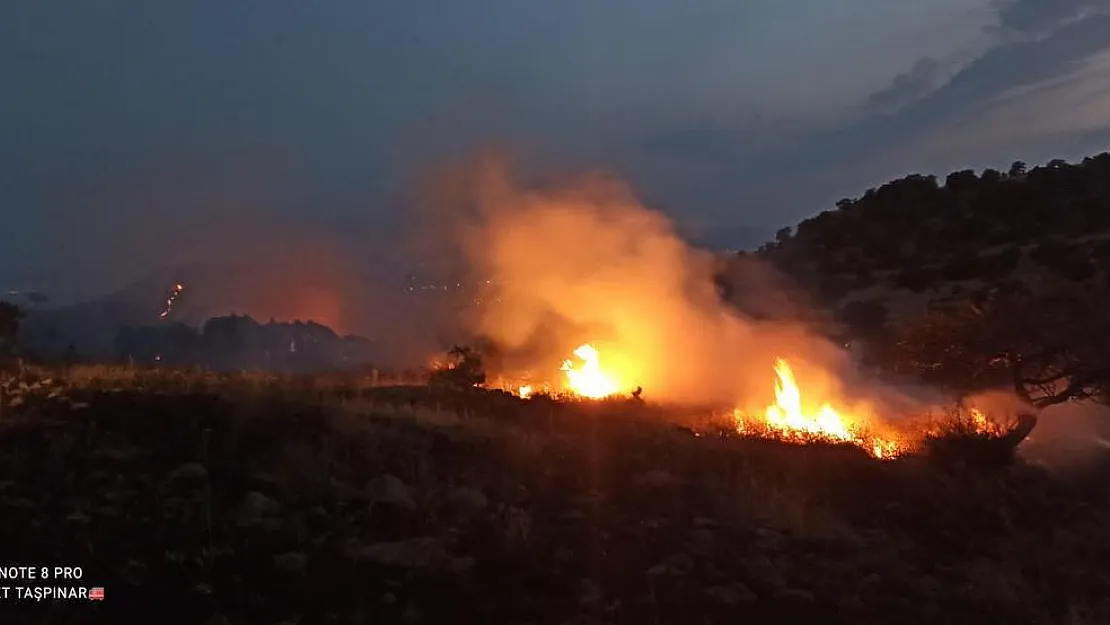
[139, 133]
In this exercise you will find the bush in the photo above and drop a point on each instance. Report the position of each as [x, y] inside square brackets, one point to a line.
[464, 371]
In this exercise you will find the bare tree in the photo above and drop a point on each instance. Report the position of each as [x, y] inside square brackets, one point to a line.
[1048, 347]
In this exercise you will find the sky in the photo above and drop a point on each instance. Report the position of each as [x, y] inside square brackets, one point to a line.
[137, 134]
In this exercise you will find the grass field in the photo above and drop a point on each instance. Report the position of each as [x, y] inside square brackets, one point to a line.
[232, 499]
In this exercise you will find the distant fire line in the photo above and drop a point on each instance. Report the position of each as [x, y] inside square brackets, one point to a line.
[175, 293]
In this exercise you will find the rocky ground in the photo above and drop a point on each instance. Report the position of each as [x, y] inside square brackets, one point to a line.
[257, 508]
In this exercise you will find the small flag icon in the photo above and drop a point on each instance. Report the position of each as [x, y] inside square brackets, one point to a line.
[96, 593]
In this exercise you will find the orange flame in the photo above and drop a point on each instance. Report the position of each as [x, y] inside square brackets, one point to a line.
[178, 287]
[788, 419]
[588, 379]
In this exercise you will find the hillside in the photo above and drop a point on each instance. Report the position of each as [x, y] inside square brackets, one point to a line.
[988, 280]
[916, 239]
[242, 499]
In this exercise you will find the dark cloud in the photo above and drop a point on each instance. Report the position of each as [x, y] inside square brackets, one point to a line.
[1036, 17]
[132, 129]
[918, 81]
[804, 176]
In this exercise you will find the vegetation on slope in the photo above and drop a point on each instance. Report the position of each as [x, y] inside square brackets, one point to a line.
[917, 234]
[986, 280]
[232, 500]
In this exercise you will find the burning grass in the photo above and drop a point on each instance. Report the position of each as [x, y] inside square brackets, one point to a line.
[793, 416]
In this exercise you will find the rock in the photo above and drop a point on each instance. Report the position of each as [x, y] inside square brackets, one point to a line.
[467, 501]
[190, 471]
[731, 595]
[767, 535]
[795, 595]
[674, 564]
[659, 479]
[78, 517]
[571, 516]
[291, 561]
[256, 509]
[658, 570]
[390, 490]
[415, 553]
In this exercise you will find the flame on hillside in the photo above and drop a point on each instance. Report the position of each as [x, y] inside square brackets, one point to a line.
[799, 419]
[171, 299]
[587, 264]
[588, 379]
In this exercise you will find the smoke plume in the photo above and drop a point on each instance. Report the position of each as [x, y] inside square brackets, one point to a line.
[583, 261]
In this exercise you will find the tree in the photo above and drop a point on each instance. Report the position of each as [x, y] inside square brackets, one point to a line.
[1048, 348]
[464, 370]
[10, 318]
[991, 175]
[1017, 169]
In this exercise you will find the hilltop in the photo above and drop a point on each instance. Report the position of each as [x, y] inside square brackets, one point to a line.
[916, 238]
[988, 280]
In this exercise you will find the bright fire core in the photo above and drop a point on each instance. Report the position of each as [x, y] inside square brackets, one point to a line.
[588, 379]
[788, 419]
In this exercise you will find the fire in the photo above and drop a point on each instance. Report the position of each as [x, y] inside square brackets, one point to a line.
[789, 419]
[589, 379]
[983, 425]
[524, 391]
[175, 292]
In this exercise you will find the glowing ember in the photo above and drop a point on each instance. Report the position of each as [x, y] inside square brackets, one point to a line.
[788, 419]
[589, 379]
[178, 287]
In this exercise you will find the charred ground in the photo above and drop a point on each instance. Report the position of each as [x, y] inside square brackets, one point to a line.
[234, 500]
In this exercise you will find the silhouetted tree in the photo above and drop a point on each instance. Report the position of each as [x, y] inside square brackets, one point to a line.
[10, 318]
[1047, 347]
[865, 318]
[465, 370]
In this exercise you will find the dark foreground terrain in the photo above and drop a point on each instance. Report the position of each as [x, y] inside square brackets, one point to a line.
[265, 507]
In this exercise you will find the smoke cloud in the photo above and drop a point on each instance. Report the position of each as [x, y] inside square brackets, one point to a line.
[1070, 437]
[581, 260]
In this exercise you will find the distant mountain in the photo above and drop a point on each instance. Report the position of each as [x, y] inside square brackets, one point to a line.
[375, 306]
